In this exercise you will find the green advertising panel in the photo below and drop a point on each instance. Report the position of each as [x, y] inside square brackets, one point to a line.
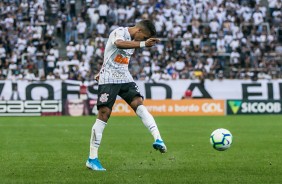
[253, 107]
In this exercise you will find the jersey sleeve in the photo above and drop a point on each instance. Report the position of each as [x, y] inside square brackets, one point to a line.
[119, 34]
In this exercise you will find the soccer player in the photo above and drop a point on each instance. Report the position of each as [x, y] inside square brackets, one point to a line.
[115, 79]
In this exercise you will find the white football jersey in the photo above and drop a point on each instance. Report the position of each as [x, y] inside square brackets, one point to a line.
[115, 66]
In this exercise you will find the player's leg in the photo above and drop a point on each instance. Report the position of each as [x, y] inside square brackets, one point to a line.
[149, 121]
[96, 138]
[106, 99]
[130, 93]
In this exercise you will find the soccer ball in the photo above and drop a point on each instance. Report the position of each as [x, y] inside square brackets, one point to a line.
[221, 139]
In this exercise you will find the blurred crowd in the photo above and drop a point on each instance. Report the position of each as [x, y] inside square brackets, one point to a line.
[205, 39]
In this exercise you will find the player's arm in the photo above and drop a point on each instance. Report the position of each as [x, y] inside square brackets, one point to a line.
[97, 77]
[121, 44]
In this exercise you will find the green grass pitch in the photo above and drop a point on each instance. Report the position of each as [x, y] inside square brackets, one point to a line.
[54, 150]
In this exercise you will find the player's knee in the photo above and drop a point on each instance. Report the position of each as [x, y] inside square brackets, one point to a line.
[136, 102]
[104, 113]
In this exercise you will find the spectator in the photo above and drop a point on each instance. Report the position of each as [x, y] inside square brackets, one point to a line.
[234, 44]
[121, 14]
[79, 50]
[68, 31]
[130, 10]
[214, 25]
[94, 18]
[40, 66]
[180, 65]
[81, 28]
[235, 58]
[103, 11]
[54, 50]
[272, 6]
[2, 53]
[74, 29]
[70, 50]
[89, 50]
[51, 59]
[50, 76]
[101, 28]
[29, 75]
[187, 94]
[112, 16]
[258, 18]
[72, 8]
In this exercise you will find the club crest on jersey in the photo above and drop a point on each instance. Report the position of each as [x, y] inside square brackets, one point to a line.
[104, 97]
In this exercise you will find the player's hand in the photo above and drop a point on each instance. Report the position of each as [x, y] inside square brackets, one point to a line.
[96, 77]
[151, 42]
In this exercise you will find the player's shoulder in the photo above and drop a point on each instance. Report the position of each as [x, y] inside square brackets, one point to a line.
[119, 32]
[119, 29]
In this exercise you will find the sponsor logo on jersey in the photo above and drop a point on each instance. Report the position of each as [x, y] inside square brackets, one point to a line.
[118, 75]
[121, 59]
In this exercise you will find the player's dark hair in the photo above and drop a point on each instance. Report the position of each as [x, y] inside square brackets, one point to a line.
[147, 25]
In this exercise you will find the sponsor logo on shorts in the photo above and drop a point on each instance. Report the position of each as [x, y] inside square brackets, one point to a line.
[104, 97]
[137, 88]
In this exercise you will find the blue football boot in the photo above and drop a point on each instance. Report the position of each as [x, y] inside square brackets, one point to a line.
[95, 165]
[159, 145]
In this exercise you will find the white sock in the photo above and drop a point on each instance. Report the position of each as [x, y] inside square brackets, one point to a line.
[148, 121]
[96, 137]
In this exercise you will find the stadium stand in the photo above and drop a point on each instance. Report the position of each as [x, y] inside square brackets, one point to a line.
[65, 39]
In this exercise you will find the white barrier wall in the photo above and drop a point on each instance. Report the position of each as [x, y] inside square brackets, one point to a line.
[216, 89]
